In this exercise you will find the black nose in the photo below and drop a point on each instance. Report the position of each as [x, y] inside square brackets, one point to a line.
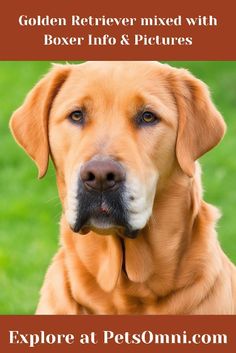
[102, 175]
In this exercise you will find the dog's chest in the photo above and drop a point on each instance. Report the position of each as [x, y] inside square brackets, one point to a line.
[126, 298]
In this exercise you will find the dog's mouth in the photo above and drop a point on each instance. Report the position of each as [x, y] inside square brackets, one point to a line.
[103, 223]
[105, 213]
[118, 230]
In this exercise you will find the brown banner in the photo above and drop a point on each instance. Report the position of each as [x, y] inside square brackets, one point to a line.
[117, 334]
[124, 30]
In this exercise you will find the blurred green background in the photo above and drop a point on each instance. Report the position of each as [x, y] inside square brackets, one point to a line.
[30, 209]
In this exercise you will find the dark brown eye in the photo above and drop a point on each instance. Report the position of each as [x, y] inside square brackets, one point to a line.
[77, 116]
[148, 118]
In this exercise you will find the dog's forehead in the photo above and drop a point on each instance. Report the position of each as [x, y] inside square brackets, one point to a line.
[121, 87]
[118, 78]
[115, 70]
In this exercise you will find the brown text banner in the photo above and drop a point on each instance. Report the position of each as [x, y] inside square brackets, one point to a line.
[124, 30]
[117, 334]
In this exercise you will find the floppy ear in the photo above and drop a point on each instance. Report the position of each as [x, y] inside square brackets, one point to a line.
[29, 123]
[201, 127]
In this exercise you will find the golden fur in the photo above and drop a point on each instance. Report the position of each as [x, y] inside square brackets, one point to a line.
[175, 265]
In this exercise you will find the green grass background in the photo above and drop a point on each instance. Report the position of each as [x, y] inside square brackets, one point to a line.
[30, 209]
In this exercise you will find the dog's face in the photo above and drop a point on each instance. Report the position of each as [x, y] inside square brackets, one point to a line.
[115, 132]
[117, 136]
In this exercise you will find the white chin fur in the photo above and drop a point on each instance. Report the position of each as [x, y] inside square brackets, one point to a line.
[102, 224]
[140, 198]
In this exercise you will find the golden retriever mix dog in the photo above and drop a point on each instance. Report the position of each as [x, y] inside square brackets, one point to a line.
[136, 235]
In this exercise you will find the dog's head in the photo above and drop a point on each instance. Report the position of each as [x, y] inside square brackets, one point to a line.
[115, 131]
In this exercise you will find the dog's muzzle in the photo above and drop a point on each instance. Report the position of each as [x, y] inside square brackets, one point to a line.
[102, 205]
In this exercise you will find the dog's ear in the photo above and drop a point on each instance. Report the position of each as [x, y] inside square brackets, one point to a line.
[201, 127]
[29, 123]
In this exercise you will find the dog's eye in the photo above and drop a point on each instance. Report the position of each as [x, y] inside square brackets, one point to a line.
[77, 116]
[148, 118]
[145, 118]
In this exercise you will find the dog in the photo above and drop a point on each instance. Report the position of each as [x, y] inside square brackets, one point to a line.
[136, 235]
